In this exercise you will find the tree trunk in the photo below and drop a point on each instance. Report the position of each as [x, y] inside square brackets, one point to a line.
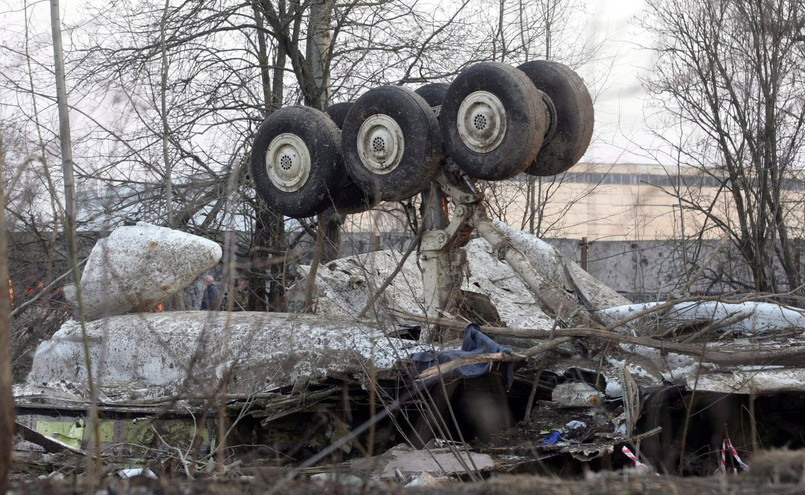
[318, 50]
[331, 222]
[267, 278]
[163, 100]
[70, 224]
[7, 413]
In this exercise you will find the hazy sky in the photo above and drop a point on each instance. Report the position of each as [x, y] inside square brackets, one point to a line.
[620, 128]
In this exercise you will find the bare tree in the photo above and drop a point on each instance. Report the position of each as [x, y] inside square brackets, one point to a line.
[731, 72]
[186, 86]
[218, 55]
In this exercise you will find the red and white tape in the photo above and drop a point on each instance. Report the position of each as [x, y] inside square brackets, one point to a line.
[633, 457]
[727, 444]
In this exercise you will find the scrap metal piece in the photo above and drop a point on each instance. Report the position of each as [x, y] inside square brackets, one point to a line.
[50, 444]
[138, 266]
[576, 394]
[631, 399]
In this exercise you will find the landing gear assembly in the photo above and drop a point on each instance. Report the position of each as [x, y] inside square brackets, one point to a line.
[492, 122]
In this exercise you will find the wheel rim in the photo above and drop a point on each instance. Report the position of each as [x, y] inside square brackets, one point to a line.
[380, 144]
[288, 162]
[481, 121]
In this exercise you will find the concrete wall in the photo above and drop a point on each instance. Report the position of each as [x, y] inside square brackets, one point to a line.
[649, 270]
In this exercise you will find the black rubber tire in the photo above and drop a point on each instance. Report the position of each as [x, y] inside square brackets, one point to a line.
[420, 155]
[574, 116]
[322, 139]
[525, 115]
[349, 198]
[338, 112]
[433, 93]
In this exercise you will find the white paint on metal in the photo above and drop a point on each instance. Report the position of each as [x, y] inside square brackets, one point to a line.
[380, 144]
[481, 121]
[748, 380]
[183, 353]
[288, 162]
[138, 266]
[748, 318]
[343, 289]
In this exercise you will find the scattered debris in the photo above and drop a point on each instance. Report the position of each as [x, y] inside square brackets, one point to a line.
[424, 479]
[48, 443]
[628, 453]
[576, 394]
[659, 384]
[437, 462]
[552, 438]
[132, 472]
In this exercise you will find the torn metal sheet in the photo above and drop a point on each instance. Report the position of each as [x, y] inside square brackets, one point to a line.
[66, 430]
[191, 353]
[138, 266]
[48, 443]
[749, 380]
[134, 472]
[343, 287]
[576, 394]
[747, 318]
[433, 461]
[555, 266]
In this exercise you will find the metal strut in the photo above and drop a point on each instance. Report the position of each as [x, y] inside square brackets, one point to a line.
[441, 257]
[443, 260]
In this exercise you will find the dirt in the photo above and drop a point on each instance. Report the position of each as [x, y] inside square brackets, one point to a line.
[602, 483]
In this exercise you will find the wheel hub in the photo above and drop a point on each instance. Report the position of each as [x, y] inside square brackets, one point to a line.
[380, 144]
[288, 162]
[481, 121]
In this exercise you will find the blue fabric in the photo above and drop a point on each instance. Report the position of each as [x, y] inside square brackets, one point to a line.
[210, 297]
[552, 438]
[475, 342]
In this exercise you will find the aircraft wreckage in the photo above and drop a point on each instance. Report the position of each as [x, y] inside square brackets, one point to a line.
[555, 367]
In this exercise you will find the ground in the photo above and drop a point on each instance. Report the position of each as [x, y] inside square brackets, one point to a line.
[610, 483]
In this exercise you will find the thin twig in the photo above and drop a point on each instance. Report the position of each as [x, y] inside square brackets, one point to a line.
[45, 290]
[373, 297]
[178, 452]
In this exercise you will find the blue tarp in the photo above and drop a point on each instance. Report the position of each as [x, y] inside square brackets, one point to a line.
[475, 342]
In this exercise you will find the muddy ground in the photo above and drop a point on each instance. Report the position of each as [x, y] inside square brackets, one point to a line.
[602, 483]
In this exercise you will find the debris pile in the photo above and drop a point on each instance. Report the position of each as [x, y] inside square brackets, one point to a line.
[682, 387]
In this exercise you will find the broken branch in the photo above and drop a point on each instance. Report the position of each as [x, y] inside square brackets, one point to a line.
[722, 356]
